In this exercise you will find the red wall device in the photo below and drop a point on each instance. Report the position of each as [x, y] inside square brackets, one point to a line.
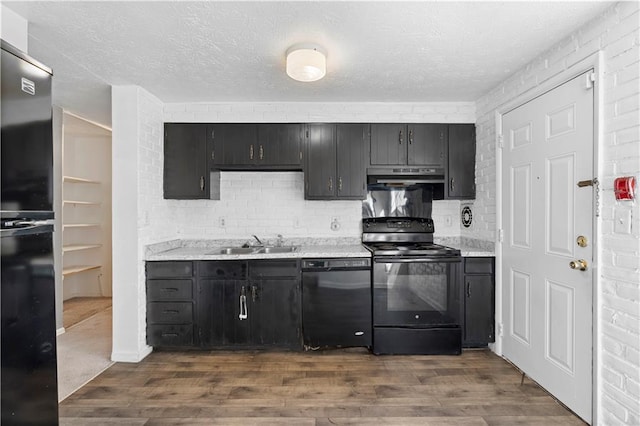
[625, 188]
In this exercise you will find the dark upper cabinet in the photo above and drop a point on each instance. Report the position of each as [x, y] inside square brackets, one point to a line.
[335, 165]
[408, 144]
[246, 146]
[461, 170]
[479, 305]
[280, 144]
[186, 173]
[233, 144]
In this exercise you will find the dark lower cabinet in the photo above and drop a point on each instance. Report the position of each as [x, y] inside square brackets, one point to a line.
[479, 305]
[249, 304]
[170, 303]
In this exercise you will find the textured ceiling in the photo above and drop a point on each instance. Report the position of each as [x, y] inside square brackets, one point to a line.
[234, 51]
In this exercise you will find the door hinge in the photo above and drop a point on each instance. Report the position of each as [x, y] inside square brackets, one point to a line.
[590, 80]
[500, 141]
[500, 235]
[500, 329]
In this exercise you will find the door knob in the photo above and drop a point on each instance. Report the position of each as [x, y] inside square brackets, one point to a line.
[580, 264]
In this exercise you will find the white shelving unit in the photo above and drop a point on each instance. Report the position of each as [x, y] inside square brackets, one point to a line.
[86, 209]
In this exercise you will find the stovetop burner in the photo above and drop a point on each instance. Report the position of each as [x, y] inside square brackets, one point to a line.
[403, 237]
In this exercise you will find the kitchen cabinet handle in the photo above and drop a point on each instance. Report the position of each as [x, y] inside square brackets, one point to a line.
[169, 334]
[400, 137]
[171, 311]
[201, 183]
[468, 290]
[254, 293]
[169, 290]
[340, 184]
[452, 185]
[251, 152]
[243, 305]
[261, 152]
[330, 184]
[410, 137]
[213, 154]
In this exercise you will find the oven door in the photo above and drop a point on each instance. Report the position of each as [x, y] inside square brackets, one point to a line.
[416, 292]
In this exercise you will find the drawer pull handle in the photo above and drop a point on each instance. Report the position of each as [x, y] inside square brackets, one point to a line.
[171, 311]
[169, 290]
[169, 334]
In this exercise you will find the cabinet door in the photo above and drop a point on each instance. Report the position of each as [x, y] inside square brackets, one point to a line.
[234, 144]
[462, 161]
[427, 144]
[479, 307]
[388, 144]
[186, 174]
[218, 321]
[274, 312]
[350, 160]
[280, 144]
[320, 167]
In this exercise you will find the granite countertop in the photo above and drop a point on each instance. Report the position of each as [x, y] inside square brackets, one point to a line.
[469, 247]
[210, 249]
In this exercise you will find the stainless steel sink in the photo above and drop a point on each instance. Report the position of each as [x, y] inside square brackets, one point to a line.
[251, 250]
[238, 250]
[286, 249]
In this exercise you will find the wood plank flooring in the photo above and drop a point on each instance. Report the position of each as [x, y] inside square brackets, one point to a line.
[80, 308]
[339, 387]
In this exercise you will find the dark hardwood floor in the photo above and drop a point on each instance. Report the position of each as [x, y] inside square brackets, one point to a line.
[341, 387]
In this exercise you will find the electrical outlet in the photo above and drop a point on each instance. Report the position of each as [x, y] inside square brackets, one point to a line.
[222, 222]
[447, 220]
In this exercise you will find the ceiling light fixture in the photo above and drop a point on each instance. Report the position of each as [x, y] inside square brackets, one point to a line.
[306, 62]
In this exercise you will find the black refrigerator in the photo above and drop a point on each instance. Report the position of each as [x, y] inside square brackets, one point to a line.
[29, 386]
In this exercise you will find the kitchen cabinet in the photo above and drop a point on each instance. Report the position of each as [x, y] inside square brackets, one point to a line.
[186, 171]
[249, 304]
[335, 163]
[461, 173]
[170, 303]
[249, 146]
[408, 144]
[479, 306]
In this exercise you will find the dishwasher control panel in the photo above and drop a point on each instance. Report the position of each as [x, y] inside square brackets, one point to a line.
[336, 263]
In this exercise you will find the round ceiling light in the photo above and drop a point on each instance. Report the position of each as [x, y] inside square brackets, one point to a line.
[306, 62]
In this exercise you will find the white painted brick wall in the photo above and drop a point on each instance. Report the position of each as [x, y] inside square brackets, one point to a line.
[252, 203]
[616, 33]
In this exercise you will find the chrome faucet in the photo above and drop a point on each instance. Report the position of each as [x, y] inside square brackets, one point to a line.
[258, 240]
[280, 241]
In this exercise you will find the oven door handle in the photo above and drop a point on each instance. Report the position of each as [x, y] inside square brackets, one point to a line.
[417, 259]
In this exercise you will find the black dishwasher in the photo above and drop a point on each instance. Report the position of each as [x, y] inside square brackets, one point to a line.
[336, 302]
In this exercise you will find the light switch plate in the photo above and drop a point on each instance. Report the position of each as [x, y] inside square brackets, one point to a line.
[622, 221]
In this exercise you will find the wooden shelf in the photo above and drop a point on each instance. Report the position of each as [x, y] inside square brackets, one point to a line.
[86, 203]
[73, 179]
[69, 270]
[81, 225]
[78, 247]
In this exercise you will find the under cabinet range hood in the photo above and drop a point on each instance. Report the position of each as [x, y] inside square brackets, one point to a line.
[404, 177]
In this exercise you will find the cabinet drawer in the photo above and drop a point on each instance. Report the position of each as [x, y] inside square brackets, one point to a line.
[176, 269]
[170, 312]
[169, 290]
[229, 270]
[270, 268]
[478, 265]
[170, 335]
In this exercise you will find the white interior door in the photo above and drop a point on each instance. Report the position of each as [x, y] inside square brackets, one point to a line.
[547, 306]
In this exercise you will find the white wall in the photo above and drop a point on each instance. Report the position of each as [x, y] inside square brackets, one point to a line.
[616, 33]
[14, 28]
[252, 203]
[137, 192]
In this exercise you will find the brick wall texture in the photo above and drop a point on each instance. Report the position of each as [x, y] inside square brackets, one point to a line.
[616, 34]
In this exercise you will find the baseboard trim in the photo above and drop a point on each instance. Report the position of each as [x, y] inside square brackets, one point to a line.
[60, 331]
[131, 356]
